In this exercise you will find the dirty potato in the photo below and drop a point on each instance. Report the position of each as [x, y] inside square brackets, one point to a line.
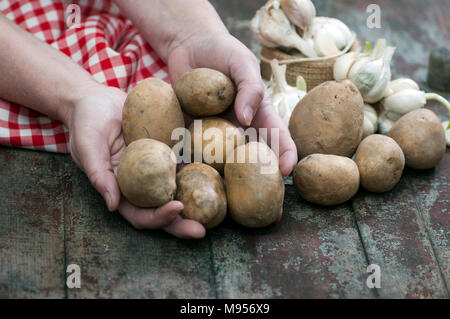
[328, 120]
[255, 185]
[326, 179]
[421, 137]
[380, 162]
[147, 172]
[151, 110]
[216, 137]
[200, 188]
[204, 92]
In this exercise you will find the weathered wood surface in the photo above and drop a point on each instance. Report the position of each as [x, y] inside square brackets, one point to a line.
[51, 217]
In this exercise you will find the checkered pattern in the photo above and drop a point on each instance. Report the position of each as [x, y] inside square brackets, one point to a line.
[106, 44]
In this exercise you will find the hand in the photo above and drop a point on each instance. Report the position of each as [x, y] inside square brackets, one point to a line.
[97, 144]
[223, 52]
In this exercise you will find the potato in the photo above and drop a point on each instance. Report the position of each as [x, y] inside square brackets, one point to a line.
[147, 173]
[151, 110]
[328, 120]
[380, 162]
[421, 137]
[230, 138]
[204, 92]
[200, 188]
[255, 186]
[326, 179]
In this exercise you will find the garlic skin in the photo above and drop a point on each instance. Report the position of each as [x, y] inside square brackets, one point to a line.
[284, 97]
[300, 12]
[446, 127]
[276, 28]
[369, 71]
[370, 125]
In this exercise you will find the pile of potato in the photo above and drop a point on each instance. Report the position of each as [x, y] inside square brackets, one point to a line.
[147, 170]
[327, 127]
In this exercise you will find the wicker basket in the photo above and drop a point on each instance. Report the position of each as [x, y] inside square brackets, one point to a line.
[314, 72]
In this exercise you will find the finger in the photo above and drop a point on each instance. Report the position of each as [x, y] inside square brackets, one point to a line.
[178, 64]
[268, 118]
[95, 160]
[146, 218]
[245, 72]
[185, 228]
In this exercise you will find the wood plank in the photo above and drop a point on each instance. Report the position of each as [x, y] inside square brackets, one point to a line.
[432, 195]
[396, 236]
[313, 252]
[31, 224]
[118, 261]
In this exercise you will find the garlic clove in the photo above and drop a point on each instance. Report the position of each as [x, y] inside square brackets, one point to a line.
[402, 84]
[324, 43]
[385, 124]
[404, 101]
[300, 12]
[359, 62]
[255, 25]
[343, 64]
[370, 124]
[393, 116]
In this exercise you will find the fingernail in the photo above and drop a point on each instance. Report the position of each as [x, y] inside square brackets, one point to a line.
[248, 115]
[108, 200]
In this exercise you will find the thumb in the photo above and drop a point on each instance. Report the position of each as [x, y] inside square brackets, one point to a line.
[246, 75]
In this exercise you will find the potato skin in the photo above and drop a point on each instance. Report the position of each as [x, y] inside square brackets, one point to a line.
[200, 188]
[326, 179]
[380, 162]
[421, 137]
[147, 172]
[204, 92]
[255, 197]
[234, 136]
[328, 120]
[151, 110]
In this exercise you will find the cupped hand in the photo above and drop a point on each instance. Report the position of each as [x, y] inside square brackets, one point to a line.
[96, 145]
[223, 52]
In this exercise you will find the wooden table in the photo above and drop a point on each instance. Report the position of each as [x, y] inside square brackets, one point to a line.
[50, 216]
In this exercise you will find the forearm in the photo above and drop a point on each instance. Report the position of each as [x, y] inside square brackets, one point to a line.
[34, 74]
[167, 23]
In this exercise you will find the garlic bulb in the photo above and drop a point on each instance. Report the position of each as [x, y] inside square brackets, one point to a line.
[300, 12]
[284, 97]
[403, 96]
[370, 125]
[330, 36]
[369, 71]
[276, 28]
[446, 127]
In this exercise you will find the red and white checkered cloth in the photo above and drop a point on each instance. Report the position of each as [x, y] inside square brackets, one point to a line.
[106, 44]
